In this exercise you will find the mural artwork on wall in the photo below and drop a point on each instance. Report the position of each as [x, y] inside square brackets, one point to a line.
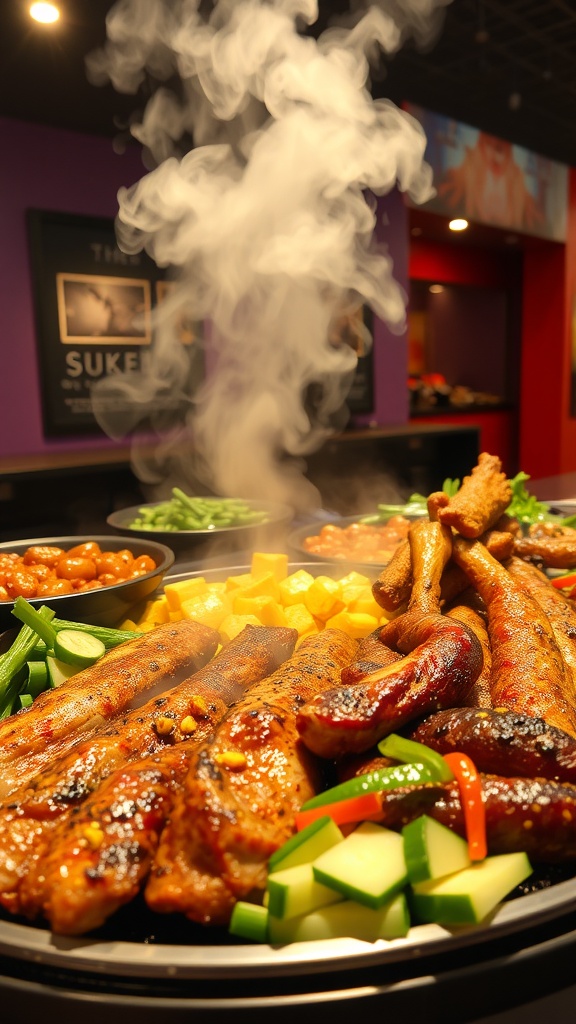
[491, 181]
[94, 313]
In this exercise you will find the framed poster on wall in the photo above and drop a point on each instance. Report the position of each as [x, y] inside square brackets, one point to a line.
[93, 306]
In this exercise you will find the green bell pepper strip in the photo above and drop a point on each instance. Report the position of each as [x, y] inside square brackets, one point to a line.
[374, 782]
[401, 749]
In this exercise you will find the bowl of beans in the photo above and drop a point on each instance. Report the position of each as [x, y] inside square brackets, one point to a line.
[83, 579]
[352, 540]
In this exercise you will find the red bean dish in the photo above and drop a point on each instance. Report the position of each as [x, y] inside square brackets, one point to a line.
[46, 571]
[359, 541]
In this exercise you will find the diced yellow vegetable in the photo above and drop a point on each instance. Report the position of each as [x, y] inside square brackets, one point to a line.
[210, 608]
[364, 602]
[354, 579]
[232, 625]
[146, 627]
[242, 580]
[298, 617]
[293, 588]
[183, 590]
[324, 598]
[356, 624]
[264, 585]
[266, 609]
[277, 564]
[156, 611]
[129, 625]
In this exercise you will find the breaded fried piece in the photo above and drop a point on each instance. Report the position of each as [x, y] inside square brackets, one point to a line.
[483, 497]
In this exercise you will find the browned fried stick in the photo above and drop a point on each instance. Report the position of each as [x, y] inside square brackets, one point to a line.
[502, 742]
[479, 695]
[483, 497]
[57, 719]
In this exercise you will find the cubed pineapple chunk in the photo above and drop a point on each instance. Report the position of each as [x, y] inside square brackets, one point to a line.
[277, 564]
[209, 608]
[232, 625]
[183, 590]
[324, 598]
[356, 624]
[354, 579]
[243, 579]
[295, 586]
[156, 611]
[364, 602]
[268, 611]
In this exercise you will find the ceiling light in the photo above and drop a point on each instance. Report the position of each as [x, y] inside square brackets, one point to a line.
[458, 224]
[44, 12]
[436, 289]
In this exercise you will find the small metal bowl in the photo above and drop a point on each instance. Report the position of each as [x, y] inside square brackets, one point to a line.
[204, 542]
[106, 606]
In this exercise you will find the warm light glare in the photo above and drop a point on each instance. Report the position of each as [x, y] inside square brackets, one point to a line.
[436, 289]
[45, 13]
[459, 224]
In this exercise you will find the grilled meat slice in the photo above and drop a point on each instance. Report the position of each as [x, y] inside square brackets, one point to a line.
[529, 675]
[552, 552]
[483, 497]
[56, 719]
[502, 742]
[444, 659]
[28, 818]
[100, 854]
[243, 789]
[531, 815]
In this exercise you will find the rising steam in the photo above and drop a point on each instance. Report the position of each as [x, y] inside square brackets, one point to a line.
[266, 222]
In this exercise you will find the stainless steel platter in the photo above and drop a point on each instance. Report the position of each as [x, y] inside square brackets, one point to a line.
[172, 948]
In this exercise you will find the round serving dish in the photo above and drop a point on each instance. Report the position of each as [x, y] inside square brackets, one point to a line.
[226, 538]
[298, 538]
[105, 606]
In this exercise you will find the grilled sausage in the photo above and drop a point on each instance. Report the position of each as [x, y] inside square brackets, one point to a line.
[528, 672]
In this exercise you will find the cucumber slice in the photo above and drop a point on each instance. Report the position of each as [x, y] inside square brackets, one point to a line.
[468, 896]
[58, 671]
[75, 647]
[306, 845]
[346, 919]
[249, 921]
[295, 891]
[433, 850]
[368, 866]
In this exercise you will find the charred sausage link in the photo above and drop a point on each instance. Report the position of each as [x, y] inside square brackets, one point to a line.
[535, 816]
[445, 660]
[528, 672]
[502, 742]
[479, 694]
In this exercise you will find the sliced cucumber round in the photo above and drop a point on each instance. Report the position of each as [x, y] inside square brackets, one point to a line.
[75, 647]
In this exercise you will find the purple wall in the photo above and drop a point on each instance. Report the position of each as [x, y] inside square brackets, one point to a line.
[46, 169]
[50, 169]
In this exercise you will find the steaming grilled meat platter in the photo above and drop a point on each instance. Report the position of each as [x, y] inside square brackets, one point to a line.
[143, 800]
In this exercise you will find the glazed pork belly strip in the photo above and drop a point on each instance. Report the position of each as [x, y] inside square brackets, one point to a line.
[529, 674]
[28, 818]
[243, 789]
[163, 657]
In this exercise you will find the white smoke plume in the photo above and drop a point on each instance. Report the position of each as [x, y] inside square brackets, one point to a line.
[266, 221]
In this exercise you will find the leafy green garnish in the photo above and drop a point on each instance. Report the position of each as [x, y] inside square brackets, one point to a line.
[524, 506]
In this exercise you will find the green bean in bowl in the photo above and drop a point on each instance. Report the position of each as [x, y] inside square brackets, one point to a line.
[186, 520]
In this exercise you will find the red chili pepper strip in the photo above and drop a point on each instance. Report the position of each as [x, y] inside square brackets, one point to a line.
[365, 807]
[560, 582]
[470, 785]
